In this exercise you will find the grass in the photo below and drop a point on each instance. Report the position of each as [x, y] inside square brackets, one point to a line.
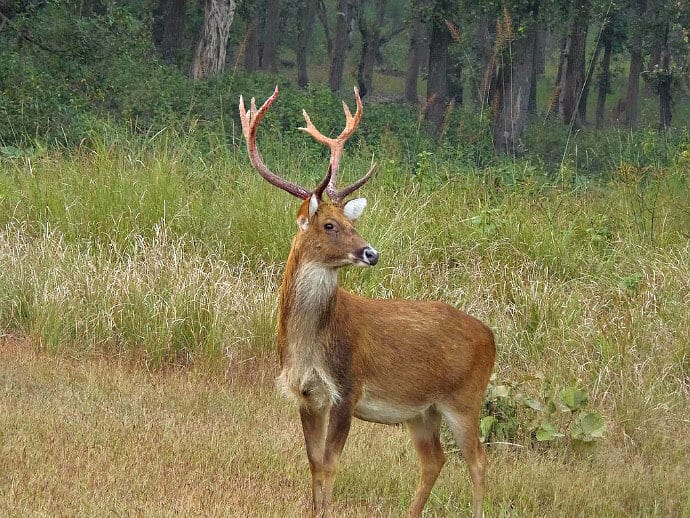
[95, 437]
[149, 273]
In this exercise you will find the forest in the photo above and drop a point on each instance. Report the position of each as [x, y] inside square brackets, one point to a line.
[587, 64]
[532, 168]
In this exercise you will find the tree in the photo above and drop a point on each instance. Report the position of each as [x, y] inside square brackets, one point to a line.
[515, 41]
[604, 80]
[635, 28]
[485, 37]
[538, 67]
[250, 43]
[589, 74]
[418, 49]
[269, 51]
[665, 21]
[172, 30]
[665, 77]
[305, 12]
[209, 56]
[572, 79]
[343, 24]
[440, 38]
[372, 41]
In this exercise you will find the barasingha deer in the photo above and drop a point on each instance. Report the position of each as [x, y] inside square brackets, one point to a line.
[386, 361]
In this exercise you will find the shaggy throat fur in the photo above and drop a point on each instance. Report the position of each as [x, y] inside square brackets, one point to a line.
[305, 378]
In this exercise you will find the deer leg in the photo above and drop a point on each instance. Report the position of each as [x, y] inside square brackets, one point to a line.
[464, 423]
[425, 432]
[314, 428]
[338, 430]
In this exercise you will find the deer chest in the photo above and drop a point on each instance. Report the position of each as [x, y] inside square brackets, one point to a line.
[305, 378]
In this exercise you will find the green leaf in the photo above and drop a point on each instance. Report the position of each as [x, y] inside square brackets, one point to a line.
[534, 404]
[588, 427]
[574, 398]
[547, 432]
[485, 425]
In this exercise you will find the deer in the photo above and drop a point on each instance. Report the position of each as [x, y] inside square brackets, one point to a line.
[387, 361]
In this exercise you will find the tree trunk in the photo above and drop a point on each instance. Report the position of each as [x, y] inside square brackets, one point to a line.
[485, 54]
[665, 78]
[512, 89]
[251, 45]
[632, 96]
[173, 28]
[538, 67]
[582, 105]
[573, 72]
[323, 18]
[556, 92]
[371, 41]
[540, 51]
[344, 13]
[437, 81]
[419, 44]
[209, 57]
[654, 61]
[269, 51]
[630, 105]
[604, 74]
[306, 11]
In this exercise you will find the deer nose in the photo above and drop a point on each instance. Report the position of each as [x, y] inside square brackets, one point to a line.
[370, 255]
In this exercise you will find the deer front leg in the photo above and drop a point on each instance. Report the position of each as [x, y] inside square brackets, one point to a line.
[314, 428]
[338, 430]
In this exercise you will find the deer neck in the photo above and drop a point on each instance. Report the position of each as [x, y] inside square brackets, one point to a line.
[306, 309]
[307, 300]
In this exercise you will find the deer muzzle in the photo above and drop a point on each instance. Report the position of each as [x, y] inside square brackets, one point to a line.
[368, 255]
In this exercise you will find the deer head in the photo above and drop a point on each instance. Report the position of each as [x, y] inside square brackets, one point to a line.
[327, 227]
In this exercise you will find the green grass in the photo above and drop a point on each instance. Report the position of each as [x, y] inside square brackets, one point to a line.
[149, 255]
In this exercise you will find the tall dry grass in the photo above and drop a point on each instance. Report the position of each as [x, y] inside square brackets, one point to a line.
[152, 253]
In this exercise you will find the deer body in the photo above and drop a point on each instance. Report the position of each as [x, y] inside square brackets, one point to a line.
[365, 347]
[387, 361]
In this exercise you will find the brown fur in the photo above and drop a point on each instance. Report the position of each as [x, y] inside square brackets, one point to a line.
[387, 361]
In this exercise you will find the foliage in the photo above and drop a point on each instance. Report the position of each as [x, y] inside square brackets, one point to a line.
[514, 412]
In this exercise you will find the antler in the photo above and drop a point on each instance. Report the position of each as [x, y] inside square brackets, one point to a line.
[250, 123]
[336, 147]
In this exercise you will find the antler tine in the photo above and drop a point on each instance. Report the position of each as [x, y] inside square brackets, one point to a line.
[336, 146]
[324, 183]
[338, 196]
[250, 124]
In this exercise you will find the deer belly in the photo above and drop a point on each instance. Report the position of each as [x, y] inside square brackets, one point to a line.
[387, 412]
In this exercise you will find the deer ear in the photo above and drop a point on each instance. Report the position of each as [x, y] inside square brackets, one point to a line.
[302, 219]
[302, 222]
[353, 209]
[313, 205]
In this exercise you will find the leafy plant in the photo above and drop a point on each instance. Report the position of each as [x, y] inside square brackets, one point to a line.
[514, 413]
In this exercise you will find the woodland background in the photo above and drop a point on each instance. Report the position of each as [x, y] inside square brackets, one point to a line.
[511, 65]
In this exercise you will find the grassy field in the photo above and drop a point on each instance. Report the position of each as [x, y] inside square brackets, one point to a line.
[137, 308]
[97, 437]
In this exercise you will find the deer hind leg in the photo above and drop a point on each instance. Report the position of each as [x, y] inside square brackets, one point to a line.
[463, 421]
[425, 432]
[314, 428]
